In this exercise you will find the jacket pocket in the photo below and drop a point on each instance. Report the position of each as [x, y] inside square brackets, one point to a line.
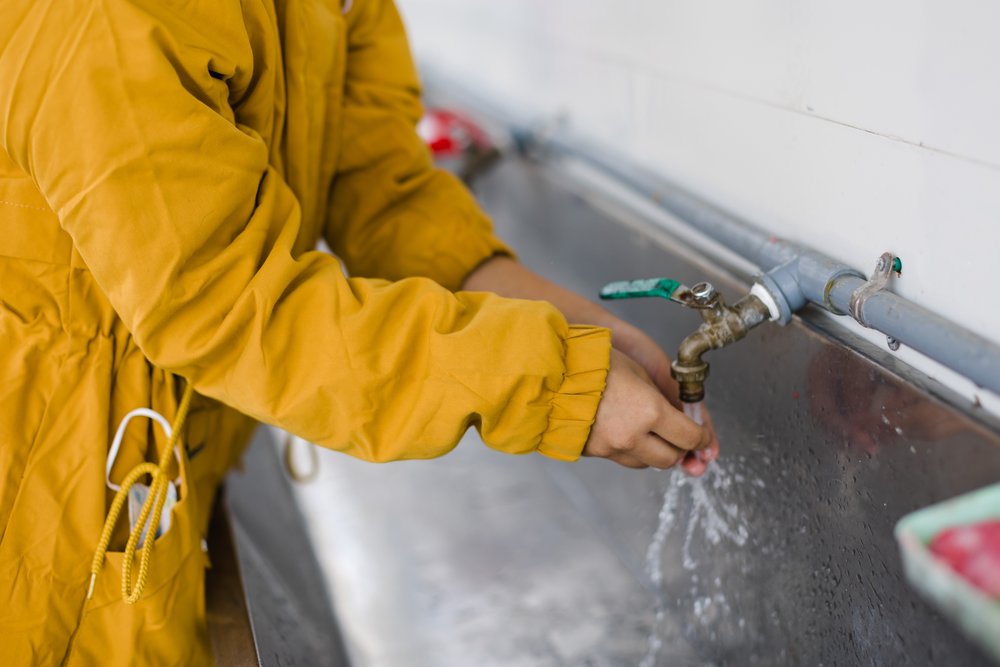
[167, 624]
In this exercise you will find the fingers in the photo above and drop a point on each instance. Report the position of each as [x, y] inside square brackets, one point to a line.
[628, 461]
[653, 452]
[650, 451]
[693, 466]
[710, 453]
[679, 430]
[656, 452]
[646, 451]
[696, 463]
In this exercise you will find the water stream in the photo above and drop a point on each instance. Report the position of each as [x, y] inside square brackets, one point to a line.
[693, 410]
[702, 510]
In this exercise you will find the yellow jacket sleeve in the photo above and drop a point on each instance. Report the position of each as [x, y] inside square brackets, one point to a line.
[423, 221]
[118, 111]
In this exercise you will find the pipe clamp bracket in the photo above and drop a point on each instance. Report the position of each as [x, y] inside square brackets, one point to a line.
[887, 263]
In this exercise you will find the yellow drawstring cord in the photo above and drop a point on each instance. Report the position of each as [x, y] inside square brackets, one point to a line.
[154, 502]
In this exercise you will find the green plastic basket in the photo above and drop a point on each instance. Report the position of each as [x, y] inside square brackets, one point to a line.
[972, 610]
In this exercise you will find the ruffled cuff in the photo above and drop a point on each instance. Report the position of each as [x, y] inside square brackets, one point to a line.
[588, 355]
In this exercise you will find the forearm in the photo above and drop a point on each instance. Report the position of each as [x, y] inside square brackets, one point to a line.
[507, 277]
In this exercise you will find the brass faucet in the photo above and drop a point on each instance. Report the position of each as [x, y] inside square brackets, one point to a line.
[723, 324]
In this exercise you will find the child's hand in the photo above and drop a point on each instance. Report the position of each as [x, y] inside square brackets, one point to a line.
[636, 426]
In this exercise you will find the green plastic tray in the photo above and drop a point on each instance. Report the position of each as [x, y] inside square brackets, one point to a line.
[973, 611]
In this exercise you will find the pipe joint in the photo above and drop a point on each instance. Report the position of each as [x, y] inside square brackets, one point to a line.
[811, 276]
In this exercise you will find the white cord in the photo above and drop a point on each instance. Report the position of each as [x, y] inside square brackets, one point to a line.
[117, 442]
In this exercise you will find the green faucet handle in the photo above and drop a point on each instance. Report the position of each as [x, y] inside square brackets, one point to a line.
[664, 288]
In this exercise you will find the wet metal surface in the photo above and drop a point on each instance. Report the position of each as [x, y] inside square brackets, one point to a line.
[290, 611]
[784, 554]
[472, 559]
[781, 555]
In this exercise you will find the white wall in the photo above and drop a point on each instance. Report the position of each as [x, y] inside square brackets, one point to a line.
[855, 127]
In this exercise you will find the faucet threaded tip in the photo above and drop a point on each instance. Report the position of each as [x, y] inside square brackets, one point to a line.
[691, 378]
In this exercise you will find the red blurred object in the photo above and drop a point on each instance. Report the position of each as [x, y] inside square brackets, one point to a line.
[457, 143]
[450, 134]
[974, 552]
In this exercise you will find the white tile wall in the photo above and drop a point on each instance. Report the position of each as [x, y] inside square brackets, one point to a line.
[854, 127]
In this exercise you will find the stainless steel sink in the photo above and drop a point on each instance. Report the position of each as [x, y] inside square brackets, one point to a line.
[782, 555]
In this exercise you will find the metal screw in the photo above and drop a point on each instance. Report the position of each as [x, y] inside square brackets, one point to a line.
[892, 342]
[703, 293]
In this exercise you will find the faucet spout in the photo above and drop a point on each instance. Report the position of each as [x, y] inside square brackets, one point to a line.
[722, 326]
[688, 369]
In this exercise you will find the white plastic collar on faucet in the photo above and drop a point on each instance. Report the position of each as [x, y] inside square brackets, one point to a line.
[768, 300]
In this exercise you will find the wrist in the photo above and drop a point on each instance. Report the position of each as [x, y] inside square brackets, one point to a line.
[489, 275]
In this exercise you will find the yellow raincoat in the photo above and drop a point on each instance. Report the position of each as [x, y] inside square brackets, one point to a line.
[166, 169]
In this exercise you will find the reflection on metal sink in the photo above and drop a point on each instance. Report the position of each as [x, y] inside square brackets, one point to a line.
[782, 555]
